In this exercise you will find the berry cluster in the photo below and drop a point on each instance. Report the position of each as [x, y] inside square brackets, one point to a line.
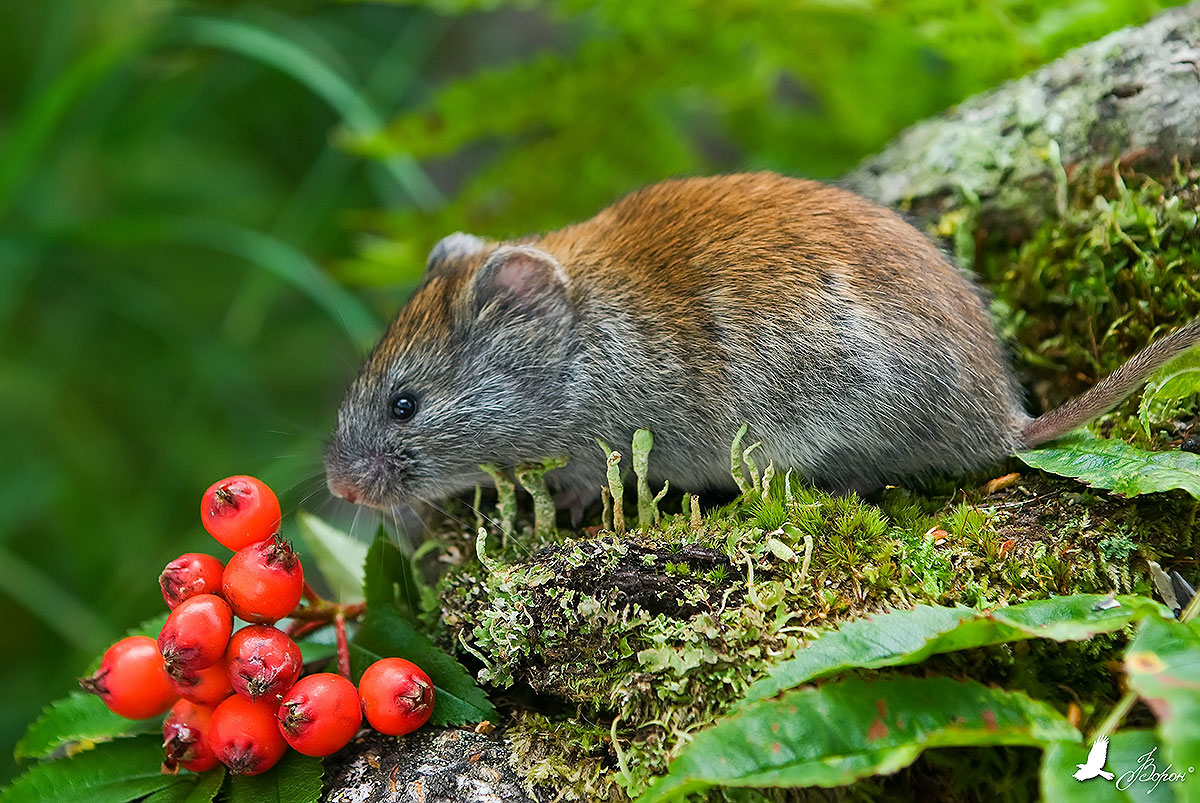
[238, 697]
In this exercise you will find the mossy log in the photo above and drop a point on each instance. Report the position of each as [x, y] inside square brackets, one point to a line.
[604, 649]
[1132, 96]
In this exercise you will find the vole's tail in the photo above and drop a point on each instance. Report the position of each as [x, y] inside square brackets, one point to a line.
[1112, 390]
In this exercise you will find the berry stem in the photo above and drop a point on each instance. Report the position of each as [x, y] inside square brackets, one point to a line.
[325, 612]
[343, 648]
[298, 630]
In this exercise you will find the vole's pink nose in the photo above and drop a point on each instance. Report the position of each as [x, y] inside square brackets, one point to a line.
[342, 491]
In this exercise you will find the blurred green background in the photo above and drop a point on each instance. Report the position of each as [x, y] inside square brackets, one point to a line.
[207, 210]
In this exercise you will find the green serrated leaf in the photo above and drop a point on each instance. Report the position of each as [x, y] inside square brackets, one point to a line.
[909, 636]
[338, 557]
[1125, 760]
[78, 717]
[1117, 466]
[81, 717]
[849, 729]
[117, 772]
[389, 578]
[1162, 665]
[295, 779]
[385, 633]
[203, 790]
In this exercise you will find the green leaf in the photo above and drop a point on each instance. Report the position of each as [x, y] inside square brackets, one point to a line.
[338, 557]
[385, 633]
[295, 779]
[78, 717]
[909, 636]
[203, 790]
[279, 258]
[1126, 750]
[1178, 380]
[389, 577]
[112, 773]
[1117, 466]
[843, 731]
[83, 718]
[319, 646]
[1162, 665]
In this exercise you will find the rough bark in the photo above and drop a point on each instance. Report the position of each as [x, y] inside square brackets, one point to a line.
[1133, 96]
[434, 765]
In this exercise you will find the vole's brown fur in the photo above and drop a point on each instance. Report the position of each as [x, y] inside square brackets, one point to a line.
[855, 351]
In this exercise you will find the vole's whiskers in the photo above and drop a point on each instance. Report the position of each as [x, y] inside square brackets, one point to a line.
[470, 526]
[354, 523]
[318, 486]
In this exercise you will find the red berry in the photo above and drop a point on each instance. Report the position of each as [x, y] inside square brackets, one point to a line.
[196, 634]
[185, 738]
[264, 581]
[132, 680]
[238, 511]
[188, 575]
[263, 662]
[207, 686]
[397, 697]
[320, 714]
[245, 736]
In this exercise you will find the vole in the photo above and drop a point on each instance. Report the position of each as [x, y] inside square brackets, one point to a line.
[856, 352]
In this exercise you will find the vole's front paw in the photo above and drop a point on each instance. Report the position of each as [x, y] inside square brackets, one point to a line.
[575, 501]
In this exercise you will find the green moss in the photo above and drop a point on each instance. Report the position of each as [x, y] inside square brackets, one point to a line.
[1085, 290]
[659, 631]
[575, 758]
[633, 640]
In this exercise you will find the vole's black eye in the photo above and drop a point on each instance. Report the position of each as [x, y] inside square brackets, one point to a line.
[403, 407]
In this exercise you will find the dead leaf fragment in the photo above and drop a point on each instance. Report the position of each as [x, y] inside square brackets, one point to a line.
[938, 535]
[1000, 483]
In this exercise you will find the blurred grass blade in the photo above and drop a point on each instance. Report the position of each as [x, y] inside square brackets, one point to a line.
[287, 263]
[269, 48]
[58, 608]
[33, 128]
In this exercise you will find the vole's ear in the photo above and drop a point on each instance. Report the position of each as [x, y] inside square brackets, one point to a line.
[453, 247]
[522, 280]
